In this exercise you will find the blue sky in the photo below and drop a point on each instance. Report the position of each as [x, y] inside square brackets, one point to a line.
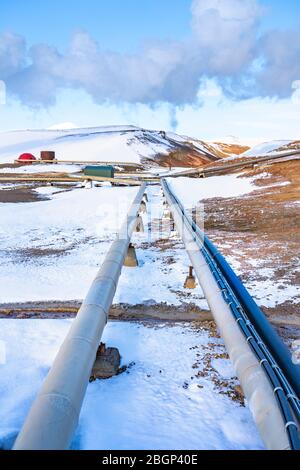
[181, 64]
[120, 25]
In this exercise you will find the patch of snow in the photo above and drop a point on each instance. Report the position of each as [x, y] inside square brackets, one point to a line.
[266, 147]
[63, 126]
[158, 281]
[269, 292]
[53, 249]
[190, 191]
[43, 168]
[48, 190]
[224, 368]
[147, 408]
[264, 287]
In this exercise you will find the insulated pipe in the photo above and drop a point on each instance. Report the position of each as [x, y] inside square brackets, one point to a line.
[257, 388]
[54, 415]
[279, 350]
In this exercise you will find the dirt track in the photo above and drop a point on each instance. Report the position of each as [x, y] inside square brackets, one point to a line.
[20, 195]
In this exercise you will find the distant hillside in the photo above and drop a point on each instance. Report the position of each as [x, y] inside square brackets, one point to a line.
[227, 150]
[275, 146]
[115, 144]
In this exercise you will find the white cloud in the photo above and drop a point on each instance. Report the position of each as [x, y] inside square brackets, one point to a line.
[251, 121]
[223, 46]
[227, 31]
[218, 118]
[12, 54]
[296, 93]
[282, 62]
[161, 71]
[2, 92]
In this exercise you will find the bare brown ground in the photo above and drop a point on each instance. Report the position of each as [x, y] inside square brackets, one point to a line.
[20, 195]
[226, 150]
[187, 158]
[190, 157]
[295, 145]
[186, 312]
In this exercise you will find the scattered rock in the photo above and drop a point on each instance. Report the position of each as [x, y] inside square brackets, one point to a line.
[239, 393]
[107, 363]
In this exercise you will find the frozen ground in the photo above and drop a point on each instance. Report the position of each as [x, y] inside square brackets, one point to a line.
[266, 147]
[42, 168]
[253, 221]
[191, 191]
[52, 250]
[274, 147]
[169, 399]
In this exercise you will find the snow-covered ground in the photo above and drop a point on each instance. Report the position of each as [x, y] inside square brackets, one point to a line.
[43, 168]
[52, 250]
[264, 285]
[267, 290]
[275, 147]
[170, 398]
[191, 191]
[266, 147]
[161, 403]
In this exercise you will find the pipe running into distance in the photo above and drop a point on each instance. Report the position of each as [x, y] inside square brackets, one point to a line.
[54, 415]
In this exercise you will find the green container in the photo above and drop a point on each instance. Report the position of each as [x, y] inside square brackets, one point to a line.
[106, 171]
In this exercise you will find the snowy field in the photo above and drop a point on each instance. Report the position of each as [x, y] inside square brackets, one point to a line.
[206, 188]
[52, 250]
[161, 403]
[178, 390]
[43, 168]
[169, 398]
[266, 147]
[274, 147]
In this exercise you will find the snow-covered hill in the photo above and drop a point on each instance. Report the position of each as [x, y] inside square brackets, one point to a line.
[273, 147]
[111, 143]
[267, 147]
